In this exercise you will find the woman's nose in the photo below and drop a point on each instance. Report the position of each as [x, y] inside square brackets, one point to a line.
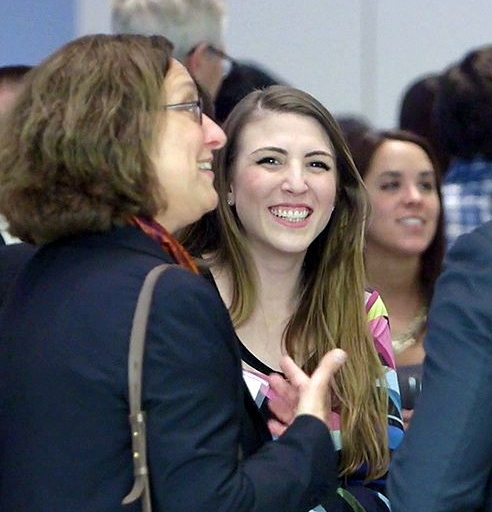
[294, 180]
[412, 193]
[215, 137]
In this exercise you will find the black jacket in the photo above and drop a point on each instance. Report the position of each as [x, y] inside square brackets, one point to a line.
[64, 433]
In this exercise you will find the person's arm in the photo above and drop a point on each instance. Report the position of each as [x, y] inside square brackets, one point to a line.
[193, 395]
[445, 461]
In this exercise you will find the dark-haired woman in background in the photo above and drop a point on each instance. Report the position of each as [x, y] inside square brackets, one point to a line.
[405, 243]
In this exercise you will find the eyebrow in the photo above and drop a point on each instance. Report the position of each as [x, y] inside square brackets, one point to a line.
[319, 153]
[396, 174]
[270, 148]
[284, 152]
[190, 91]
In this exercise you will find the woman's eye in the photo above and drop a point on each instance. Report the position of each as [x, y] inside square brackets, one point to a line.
[390, 185]
[320, 165]
[428, 186]
[267, 160]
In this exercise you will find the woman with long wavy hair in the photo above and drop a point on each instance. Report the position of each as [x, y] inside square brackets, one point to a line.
[285, 250]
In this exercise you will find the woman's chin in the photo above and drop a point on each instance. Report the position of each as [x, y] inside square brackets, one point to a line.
[209, 207]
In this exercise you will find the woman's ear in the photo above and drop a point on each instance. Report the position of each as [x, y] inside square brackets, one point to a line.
[195, 60]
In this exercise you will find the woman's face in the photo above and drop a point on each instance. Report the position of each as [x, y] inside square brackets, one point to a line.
[182, 155]
[284, 182]
[405, 206]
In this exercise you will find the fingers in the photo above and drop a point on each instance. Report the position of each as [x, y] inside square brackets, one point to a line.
[406, 416]
[302, 394]
[283, 389]
[293, 373]
[283, 403]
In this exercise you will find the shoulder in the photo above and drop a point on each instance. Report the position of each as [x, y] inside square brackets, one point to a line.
[192, 302]
[462, 293]
[472, 248]
[189, 327]
[180, 282]
[12, 260]
[375, 306]
[17, 253]
[377, 320]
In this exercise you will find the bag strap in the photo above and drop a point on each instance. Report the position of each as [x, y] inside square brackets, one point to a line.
[137, 416]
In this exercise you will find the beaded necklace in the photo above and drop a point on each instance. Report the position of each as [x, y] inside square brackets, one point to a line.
[410, 336]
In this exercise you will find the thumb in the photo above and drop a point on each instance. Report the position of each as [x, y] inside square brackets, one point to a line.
[331, 362]
[314, 395]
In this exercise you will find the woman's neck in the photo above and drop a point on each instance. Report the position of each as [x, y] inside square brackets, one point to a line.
[392, 274]
[397, 279]
[277, 287]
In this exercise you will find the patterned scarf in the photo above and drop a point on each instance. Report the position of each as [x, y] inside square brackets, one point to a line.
[168, 243]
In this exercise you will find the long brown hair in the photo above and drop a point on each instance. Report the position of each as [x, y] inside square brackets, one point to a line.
[74, 152]
[330, 311]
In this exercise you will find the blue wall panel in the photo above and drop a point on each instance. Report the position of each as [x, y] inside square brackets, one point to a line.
[32, 29]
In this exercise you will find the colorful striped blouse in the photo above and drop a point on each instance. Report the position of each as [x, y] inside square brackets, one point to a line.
[354, 494]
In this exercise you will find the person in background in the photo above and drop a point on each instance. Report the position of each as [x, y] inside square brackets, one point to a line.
[417, 114]
[11, 80]
[445, 461]
[243, 78]
[404, 244]
[353, 127]
[107, 153]
[195, 27]
[285, 250]
[464, 125]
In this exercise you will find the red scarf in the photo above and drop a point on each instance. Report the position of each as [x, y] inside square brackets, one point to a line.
[168, 243]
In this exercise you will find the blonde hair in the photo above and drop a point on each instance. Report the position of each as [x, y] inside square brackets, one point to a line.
[186, 23]
[330, 310]
[74, 153]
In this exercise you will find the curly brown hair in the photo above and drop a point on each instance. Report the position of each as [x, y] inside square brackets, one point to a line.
[74, 151]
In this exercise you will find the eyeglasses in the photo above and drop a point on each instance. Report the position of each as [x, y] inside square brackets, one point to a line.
[195, 107]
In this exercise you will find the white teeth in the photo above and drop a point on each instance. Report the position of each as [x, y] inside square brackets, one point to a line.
[290, 215]
[411, 221]
[205, 166]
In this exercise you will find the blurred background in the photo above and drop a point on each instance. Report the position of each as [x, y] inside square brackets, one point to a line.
[356, 56]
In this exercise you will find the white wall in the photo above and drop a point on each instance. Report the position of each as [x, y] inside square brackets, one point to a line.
[421, 36]
[93, 16]
[356, 56]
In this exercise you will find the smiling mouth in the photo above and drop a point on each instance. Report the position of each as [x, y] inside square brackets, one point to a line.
[205, 166]
[291, 214]
[412, 221]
